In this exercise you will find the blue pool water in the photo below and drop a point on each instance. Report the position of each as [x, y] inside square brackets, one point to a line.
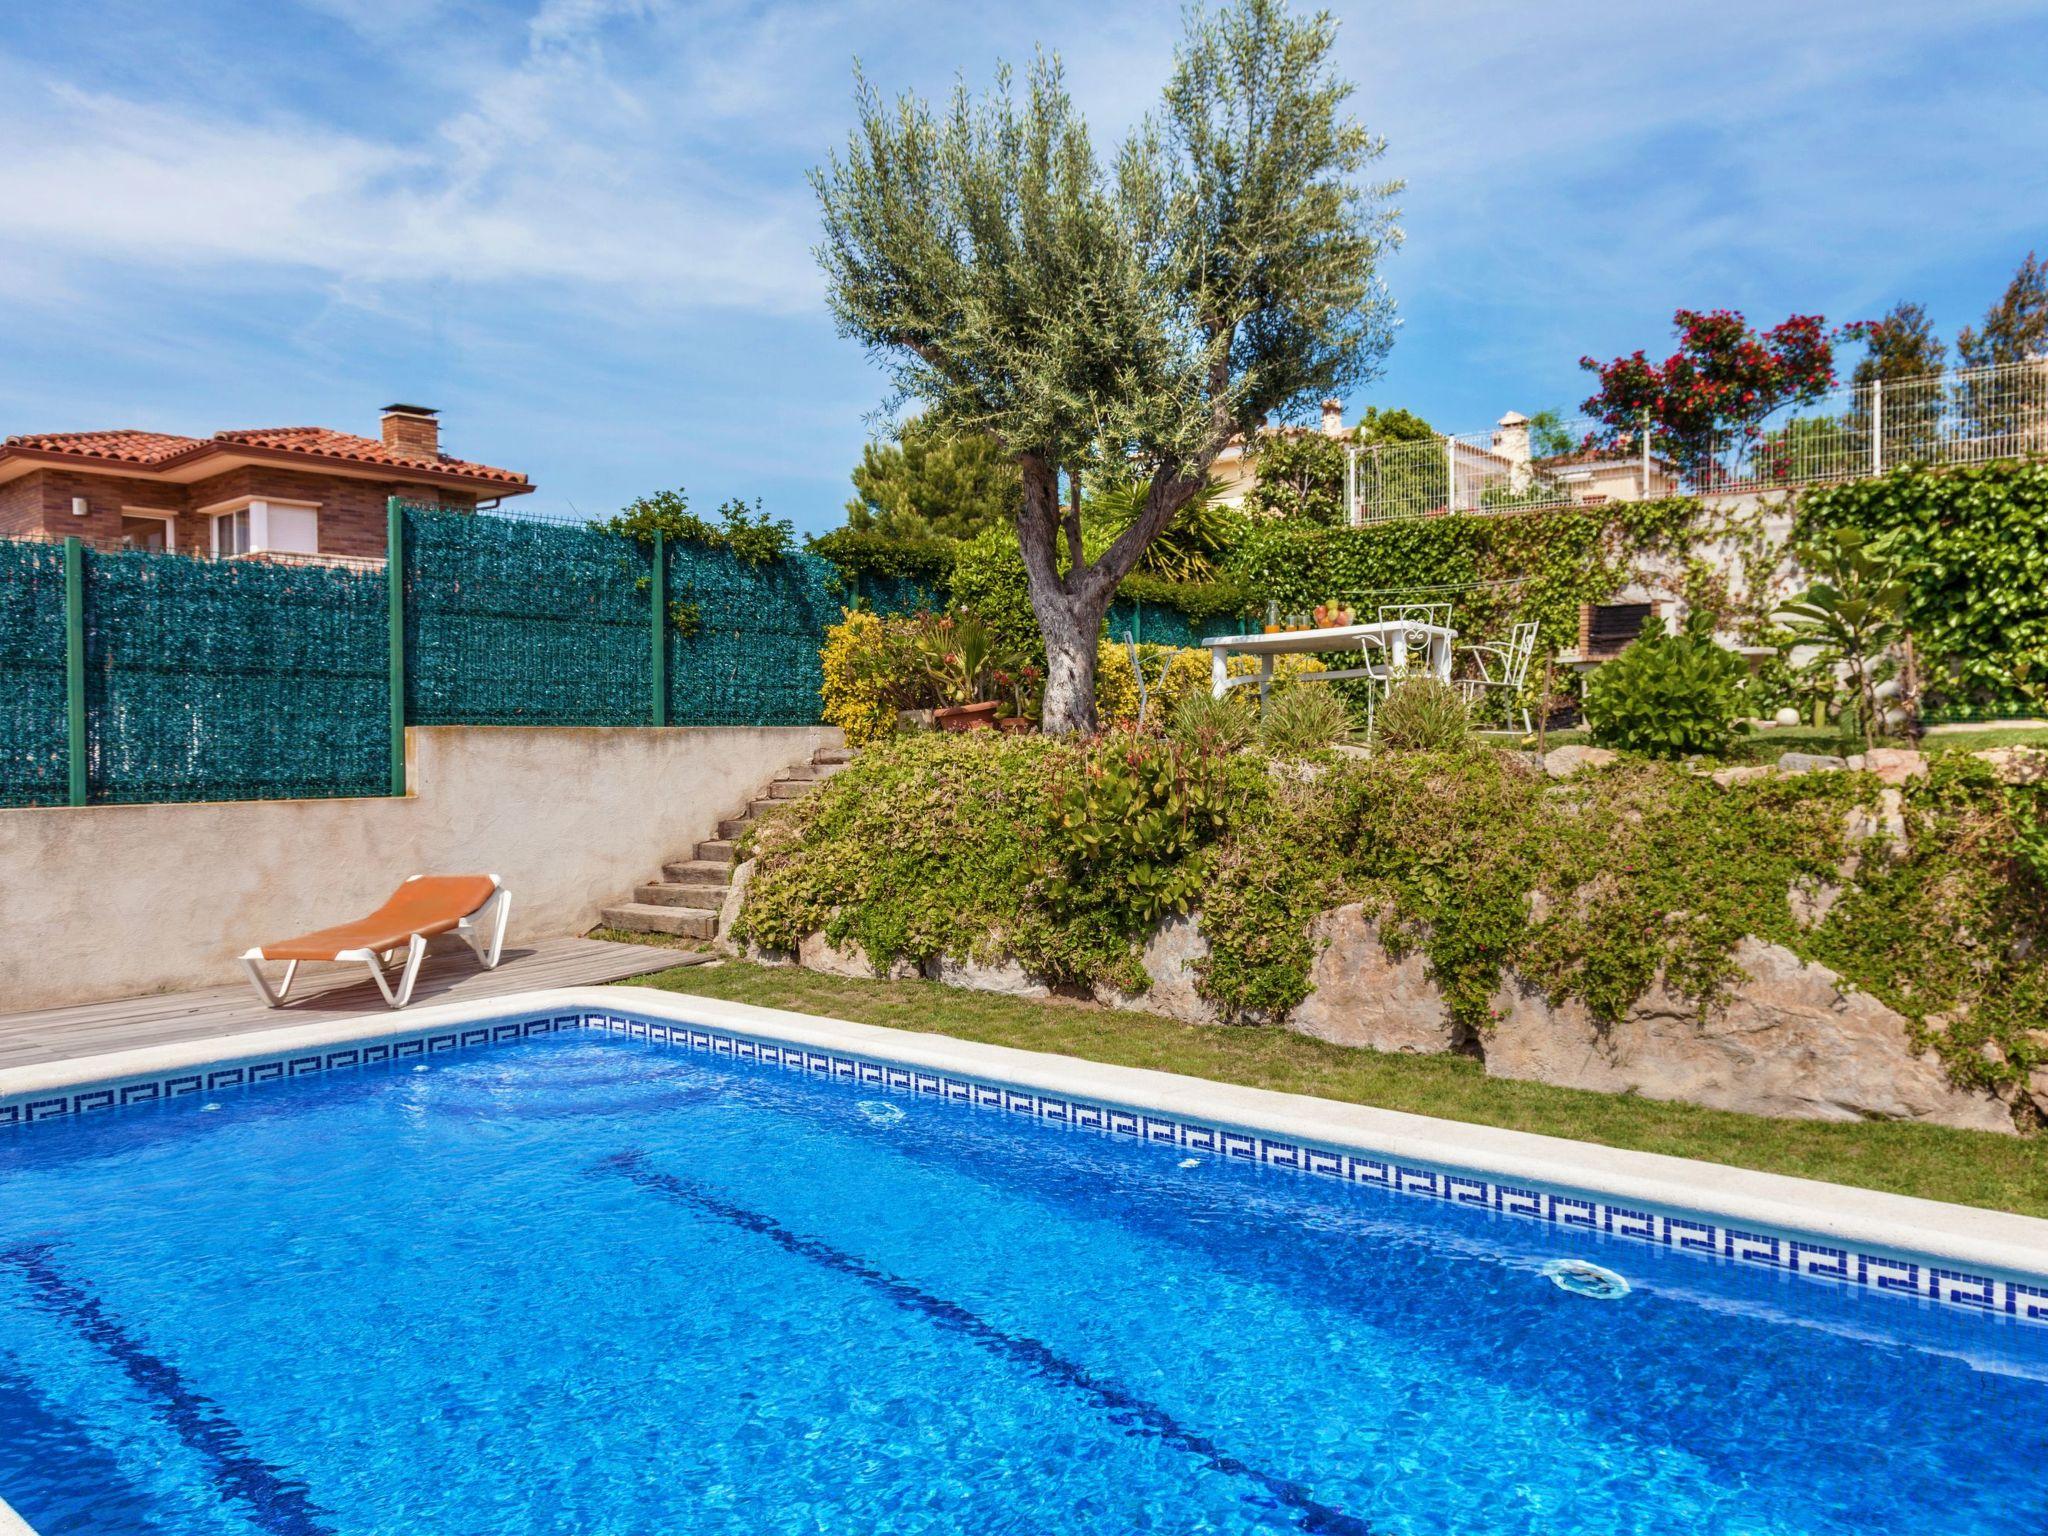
[582, 1284]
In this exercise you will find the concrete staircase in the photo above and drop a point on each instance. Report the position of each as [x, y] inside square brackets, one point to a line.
[685, 902]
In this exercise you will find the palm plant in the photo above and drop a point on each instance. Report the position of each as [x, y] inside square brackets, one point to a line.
[1853, 613]
[1190, 548]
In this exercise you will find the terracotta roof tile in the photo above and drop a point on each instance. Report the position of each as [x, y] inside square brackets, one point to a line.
[365, 450]
[123, 445]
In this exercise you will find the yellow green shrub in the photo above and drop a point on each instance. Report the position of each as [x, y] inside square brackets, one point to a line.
[854, 696]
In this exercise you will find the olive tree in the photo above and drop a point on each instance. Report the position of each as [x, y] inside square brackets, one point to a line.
[1128, 317]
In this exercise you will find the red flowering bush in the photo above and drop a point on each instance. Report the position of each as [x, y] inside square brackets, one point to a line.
[1723, 380]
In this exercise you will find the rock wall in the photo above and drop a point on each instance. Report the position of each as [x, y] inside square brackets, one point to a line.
[1790, 1040]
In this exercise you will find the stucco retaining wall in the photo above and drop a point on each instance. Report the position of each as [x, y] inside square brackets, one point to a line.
[116, 900]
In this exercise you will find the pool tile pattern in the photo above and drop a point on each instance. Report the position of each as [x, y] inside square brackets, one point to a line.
[1889, 1274]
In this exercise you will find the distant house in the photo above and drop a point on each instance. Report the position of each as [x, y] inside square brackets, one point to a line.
[296, 492]
[1236, 469]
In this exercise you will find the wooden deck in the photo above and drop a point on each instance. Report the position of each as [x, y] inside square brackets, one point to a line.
[52, 1034]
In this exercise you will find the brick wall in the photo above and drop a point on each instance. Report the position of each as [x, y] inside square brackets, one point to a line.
[352, 512]
[21, 508]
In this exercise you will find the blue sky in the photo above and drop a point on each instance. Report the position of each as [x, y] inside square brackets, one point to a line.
[581, 227]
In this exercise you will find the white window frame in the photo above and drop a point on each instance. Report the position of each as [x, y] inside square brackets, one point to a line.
[158, 514]
[258, 510]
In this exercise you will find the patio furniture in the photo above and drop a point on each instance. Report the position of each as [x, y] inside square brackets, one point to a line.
[1503, 667]
[472, 907]
[1393, 639]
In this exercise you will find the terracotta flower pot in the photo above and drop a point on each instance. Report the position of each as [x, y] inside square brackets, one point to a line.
[967, 717]
[1015, 725]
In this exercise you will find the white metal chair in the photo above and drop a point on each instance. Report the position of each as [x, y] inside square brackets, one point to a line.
[1381, 674]
[1503, 667]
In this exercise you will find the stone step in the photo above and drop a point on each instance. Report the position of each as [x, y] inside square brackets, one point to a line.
[730, 827]
[807, 771]
[789, 789]
[698, 872]
[642, 917]
[832, 755]
[717, 850]
[760, 808]
[676, 893]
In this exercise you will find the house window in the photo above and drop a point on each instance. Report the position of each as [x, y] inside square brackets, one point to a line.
[231, 533]
[148, 530]
[258, 526]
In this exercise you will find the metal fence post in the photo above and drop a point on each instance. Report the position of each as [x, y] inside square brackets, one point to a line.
[74, 665]
[1450, 473]
[658, 657]
[394, 586]
[1646, 455]
[1877, 426]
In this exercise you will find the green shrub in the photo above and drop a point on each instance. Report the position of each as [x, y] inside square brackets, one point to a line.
[1063, 853]
[1668, 696]
[1303, 719]
[1204, 723]
[1423, 714]
[1126, 828]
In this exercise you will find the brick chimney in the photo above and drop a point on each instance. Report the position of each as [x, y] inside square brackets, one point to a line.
[1333, 418]
[412, 429]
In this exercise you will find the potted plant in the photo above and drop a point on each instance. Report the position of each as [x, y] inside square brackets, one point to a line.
[1022, 681]
[961, 662]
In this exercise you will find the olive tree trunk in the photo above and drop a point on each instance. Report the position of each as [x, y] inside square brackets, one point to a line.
[1070, 605]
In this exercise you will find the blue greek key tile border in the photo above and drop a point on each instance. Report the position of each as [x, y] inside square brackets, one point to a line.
[1876, 1272]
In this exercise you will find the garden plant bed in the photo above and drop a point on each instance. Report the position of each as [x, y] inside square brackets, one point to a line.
[1835, 945]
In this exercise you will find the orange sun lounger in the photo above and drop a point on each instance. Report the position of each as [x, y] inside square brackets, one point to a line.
[473, 907]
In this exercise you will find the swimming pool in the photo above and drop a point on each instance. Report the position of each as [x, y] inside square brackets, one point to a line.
[586, 1280]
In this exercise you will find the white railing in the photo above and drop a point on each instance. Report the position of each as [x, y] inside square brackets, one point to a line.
[1966, 416]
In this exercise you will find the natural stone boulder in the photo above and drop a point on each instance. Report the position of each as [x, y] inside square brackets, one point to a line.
[1563, 762]
[1812, 900]
[1364, 996]
[1790, 1041]
[729, 909]
[1810, 762]
[1006, 976]
[1885, 824]
[1741, 773]
[1895, 765]
[1172, 959]
[820, 954]
[2016, 765]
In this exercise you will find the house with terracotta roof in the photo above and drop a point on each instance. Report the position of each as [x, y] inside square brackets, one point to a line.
[295, 492]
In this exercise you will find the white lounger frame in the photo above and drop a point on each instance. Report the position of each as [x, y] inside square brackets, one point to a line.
[483, 931]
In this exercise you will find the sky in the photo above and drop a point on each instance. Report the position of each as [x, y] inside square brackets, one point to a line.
[582, 228]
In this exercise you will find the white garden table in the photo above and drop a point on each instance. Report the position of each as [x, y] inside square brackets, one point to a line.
[1390, 637]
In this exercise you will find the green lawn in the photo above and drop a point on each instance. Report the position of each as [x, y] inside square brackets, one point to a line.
[1968, 1167]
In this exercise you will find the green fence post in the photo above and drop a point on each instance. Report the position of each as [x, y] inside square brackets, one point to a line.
[74, 663]
[394, 586]
[658, 657]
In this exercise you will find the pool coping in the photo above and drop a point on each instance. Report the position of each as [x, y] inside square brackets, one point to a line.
[1966, 1236]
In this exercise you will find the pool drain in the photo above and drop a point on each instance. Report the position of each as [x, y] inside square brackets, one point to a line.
[880, 1113]
[1583, 1279]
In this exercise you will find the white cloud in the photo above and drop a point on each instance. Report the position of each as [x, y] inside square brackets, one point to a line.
[551, 170]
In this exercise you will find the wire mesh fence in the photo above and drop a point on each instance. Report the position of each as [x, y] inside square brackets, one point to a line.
[197, 679]
[1965, 416]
